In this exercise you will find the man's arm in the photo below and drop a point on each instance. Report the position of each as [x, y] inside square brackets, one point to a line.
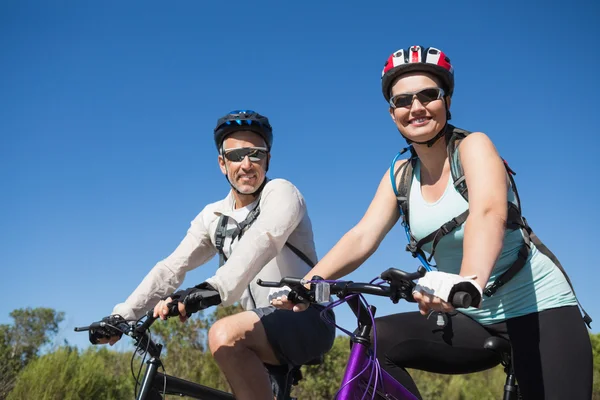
[282, 208]
[167, 275]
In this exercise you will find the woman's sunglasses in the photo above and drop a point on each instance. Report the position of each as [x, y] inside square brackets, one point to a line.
[255, 154]
[424, 95]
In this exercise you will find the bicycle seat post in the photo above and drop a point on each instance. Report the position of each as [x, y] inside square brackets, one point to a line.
[511, 391]
[503, 349]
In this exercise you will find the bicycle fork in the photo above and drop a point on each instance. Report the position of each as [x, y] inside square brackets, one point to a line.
[151, 370]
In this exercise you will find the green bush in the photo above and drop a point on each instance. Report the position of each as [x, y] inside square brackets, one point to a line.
[100, 373]
[67, 374]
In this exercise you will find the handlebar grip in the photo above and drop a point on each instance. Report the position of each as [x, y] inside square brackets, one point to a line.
[297, 298]
[461, 300]
[82, 329]
[173, 309]
[94, 325]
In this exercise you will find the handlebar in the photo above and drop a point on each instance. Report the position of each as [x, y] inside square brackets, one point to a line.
[139, 332]
[399, 286]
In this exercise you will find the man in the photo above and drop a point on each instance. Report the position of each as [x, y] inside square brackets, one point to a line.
[260, 230]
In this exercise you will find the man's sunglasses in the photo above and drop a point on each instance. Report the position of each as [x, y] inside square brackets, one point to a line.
[424, 95]
[255, 154]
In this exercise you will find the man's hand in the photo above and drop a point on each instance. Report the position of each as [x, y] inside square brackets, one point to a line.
[186, 302]
[106, 334]
[110, 340]
[162, 310]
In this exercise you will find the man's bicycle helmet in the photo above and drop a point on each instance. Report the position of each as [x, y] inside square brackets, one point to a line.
[243, 120]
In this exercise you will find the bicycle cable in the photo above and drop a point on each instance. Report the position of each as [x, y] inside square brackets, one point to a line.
[373, 363]
[137, 378]
[164, 393]
[137, 348]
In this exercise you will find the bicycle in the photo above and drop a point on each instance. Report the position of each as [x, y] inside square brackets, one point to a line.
[155, 385]
[363, 376]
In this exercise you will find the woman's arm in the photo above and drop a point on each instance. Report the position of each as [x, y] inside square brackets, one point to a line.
[363, 239]
[485, 176]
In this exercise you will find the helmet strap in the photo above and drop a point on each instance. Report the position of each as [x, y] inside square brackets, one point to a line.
[431, 141]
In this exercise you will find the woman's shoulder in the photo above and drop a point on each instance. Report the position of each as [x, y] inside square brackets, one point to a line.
[475, 140]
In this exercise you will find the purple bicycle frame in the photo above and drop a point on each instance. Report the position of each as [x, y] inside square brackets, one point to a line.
[354, 386]
[363, 373]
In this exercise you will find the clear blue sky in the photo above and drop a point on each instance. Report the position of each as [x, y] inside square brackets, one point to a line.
[107, 110]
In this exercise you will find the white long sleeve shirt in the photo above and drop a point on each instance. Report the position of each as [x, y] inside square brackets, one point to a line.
[260, 253]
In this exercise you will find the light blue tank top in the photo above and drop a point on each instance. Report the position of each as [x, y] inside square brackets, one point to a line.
[540, 285]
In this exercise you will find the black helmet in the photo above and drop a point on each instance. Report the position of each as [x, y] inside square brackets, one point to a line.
[243, 120]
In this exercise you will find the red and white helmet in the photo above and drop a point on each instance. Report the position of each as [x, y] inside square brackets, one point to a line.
[417, 58]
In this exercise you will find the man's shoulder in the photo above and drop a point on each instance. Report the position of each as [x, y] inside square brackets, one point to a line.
[282, 194]
[280, 184]
[212, 210]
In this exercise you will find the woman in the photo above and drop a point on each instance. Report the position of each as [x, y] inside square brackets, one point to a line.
[483, 238]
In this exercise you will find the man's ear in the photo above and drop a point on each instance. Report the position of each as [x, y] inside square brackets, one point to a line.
[222, 165]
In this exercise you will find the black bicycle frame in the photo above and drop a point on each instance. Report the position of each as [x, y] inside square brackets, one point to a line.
[154, 383]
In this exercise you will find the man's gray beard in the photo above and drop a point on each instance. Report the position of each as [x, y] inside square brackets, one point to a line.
[251, 192]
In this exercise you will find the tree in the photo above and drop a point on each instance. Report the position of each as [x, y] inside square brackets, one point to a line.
[323, 381]
[20, 343]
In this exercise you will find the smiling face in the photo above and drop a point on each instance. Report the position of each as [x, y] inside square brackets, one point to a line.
[246, 175]
[419, 122]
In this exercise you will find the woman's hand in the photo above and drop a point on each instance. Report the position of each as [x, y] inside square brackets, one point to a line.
[428, 302]
[283, 303]
[435, 291]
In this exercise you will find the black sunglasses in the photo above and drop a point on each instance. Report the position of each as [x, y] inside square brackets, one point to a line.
[255, 154]
[425, 96]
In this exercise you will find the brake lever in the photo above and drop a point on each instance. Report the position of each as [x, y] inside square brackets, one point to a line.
[402, 283]
[299, 293]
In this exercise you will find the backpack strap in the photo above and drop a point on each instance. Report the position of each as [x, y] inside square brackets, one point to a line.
[458, 176]
[453, 137]
[546, 251]
[300, 254]
[402, 192]
[442, 231]
[220, 235]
